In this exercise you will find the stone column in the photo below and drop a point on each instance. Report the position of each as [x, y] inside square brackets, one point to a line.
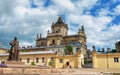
[78, 60]
[94, 60]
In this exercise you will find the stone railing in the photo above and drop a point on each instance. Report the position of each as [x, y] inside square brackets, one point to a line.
[53, 34]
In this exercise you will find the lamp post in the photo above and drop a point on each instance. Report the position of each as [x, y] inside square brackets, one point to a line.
[63, 57]
[108, 50]
[0, 44]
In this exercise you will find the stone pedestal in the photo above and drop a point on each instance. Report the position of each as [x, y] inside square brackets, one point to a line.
[18, 64]
[13, 64]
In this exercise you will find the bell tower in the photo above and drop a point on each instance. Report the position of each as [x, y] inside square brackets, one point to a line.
[82, 35]
[59, 30]
[60, 27]
[81, 31]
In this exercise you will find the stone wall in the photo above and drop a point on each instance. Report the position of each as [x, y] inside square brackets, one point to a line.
[71, 59]
[106, 60]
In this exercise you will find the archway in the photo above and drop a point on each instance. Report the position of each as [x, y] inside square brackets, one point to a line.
[67, 63]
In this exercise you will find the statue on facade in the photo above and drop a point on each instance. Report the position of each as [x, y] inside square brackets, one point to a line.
[78, 49]
[48, 32]
[94, 49]
[14, 52]
[117, 45]
[103, 50]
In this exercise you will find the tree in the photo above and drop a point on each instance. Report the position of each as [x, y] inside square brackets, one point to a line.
[8, 51]
[69, 49]
[33, 63]
[52, 63]
[113, 51]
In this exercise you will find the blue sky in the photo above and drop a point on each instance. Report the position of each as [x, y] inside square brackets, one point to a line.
[27, 18]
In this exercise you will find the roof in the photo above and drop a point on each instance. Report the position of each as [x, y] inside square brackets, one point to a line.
[3, 49]
[38, 52]
[72, 35]
[26, 53]
[59, 23]
[74, 44]
[41, 39]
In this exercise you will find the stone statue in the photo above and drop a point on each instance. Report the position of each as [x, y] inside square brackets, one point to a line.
[103, 50]
[108, 50]
[14, 52]
[94, 49]
[117, 45]
[48, 31]
[78, 49]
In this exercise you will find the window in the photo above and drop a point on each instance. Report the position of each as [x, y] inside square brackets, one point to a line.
[42, 43]
[2, 62]
[53, 41]
[20, 59]
[77, 49]
[56, 31]
[37, 60]
[59, 30]
[52, 58]
[58, 50]
[43, 60]
[116, 59]
[61, 60]
[61, 52]
[53, 50]
[28, 60]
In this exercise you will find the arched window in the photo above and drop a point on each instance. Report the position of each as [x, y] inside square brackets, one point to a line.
[43, 59]
[52, 58]
[53, 41]
[42, 43]
[56, 31]
[37, 60]
[20, 59]
[59, 30]
[28, 60]
[58, 50]
[77, 49]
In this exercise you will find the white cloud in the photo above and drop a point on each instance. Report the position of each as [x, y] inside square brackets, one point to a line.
[93, 26]
[18, 19]
[26, 43]
[103, 12]
[87, 4]
[65, 5]
[117, 10]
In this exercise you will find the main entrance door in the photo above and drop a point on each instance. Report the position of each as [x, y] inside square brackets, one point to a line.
[67, 63]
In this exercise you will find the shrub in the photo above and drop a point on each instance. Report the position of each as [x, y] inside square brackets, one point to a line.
[69, 49]
[33, 63]
[52, 63]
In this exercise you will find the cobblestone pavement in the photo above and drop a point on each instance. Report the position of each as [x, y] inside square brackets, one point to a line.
[83, 71]
[89, 71]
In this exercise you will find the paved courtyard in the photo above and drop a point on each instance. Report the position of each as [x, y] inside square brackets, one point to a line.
[89, 71]
[82, 71]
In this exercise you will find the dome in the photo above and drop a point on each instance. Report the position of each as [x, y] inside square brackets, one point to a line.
[59, 21]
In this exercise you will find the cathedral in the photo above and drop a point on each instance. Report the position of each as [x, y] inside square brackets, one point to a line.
[59, 36]
[54, 47]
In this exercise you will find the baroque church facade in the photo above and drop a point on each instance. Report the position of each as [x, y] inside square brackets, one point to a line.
[59, 36]
[53, 48]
